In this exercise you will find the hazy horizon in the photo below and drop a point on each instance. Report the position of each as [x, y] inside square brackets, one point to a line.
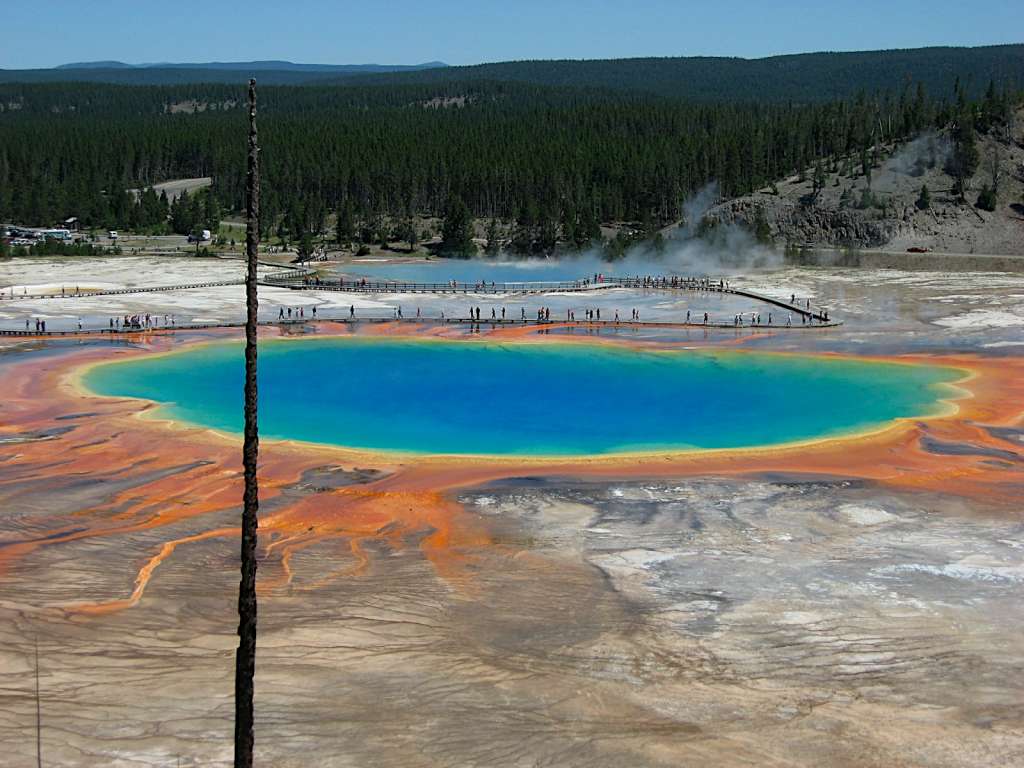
[439, 62]
[50, 33]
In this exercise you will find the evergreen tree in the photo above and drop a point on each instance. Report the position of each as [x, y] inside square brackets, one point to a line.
[963, 161]
[305, 245]
[924, 200]
[524, 236]
[406, 231]
[457, 229]
[195, 211]
[493, 247]
[345, 229]
[211, 212]
[182, 222]
[819, 178]
[547, 232]
[987, 198]
[588, 230]
[568, 224]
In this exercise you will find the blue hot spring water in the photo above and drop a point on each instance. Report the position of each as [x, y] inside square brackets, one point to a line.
[554, 399]
[476, 270]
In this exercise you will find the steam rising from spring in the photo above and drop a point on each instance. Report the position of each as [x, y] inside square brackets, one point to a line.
[915, 158]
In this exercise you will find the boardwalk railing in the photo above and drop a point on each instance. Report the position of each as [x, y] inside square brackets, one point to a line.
[589, 325]
[118, 291]
[351, 285]
[303, 279]
[698, 285]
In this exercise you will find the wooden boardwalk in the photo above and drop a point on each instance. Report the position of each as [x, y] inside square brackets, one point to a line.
[416, 321]
[304, 281]
[536, 288]
[118, 291]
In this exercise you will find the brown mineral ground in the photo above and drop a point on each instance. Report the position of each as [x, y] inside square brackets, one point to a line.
[835, 602]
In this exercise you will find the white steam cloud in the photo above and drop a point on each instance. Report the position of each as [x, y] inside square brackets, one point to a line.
[696, 207]
[722, 248]
[915, 158]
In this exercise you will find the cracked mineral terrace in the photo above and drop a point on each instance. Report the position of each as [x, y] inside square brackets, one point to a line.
[850, 603]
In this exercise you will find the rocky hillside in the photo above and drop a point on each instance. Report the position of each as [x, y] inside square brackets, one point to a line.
[889, 213]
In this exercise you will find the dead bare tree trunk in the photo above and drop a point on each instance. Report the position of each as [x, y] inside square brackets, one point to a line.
[245, 659]
[39, 715]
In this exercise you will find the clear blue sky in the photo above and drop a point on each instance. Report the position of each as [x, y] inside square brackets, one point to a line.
[44, 33]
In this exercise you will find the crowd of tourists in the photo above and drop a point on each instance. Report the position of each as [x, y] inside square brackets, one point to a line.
[680, 282]
[138, 322]
[542, 314]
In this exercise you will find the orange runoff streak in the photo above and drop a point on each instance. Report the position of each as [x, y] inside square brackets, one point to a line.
[188, 475]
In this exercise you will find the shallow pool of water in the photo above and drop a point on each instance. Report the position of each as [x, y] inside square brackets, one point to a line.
[471, 397]
[474, 270]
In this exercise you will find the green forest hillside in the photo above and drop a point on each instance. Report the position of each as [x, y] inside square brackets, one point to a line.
[556, 158]
[799, 77]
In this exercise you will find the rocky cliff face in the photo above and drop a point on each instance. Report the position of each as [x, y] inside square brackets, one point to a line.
[850, 212]
[793, 222]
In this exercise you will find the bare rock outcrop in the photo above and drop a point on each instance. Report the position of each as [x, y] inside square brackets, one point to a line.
[795, 222]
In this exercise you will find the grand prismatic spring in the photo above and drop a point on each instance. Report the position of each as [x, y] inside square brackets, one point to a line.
[559, 399]
[574, 544]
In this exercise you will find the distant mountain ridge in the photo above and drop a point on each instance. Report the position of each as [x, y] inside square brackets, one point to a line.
[247, 66]
[804, 77]
[95, 65]
[799, 78]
